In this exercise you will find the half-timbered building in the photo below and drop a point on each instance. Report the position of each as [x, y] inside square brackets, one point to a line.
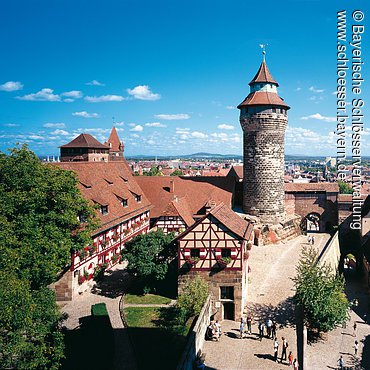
[123, 211]
[179, 201]
[217, 247]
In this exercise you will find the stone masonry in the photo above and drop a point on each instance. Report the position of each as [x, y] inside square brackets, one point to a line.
[264, 166]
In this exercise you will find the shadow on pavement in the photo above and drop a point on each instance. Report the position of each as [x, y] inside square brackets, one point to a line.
[282, 314]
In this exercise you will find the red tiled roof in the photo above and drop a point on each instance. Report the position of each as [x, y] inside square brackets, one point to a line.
[113, 141]
[345, 198]
[179, 207]
[232, 221]
[331, 187]
[196, 191]
[229, 219]
[263, 75]
[85, 141]
[236, 171]
[263, 98]
[104, 183]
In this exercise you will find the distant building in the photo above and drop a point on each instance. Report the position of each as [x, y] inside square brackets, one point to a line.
[84, 148]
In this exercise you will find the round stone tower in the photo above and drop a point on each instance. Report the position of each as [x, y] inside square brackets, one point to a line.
[263, 117]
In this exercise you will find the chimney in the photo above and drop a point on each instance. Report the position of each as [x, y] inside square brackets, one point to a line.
[172, 186]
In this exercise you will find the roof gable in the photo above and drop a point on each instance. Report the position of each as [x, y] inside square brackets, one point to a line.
[85, 141]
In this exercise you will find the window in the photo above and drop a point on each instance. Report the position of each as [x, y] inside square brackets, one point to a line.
[138, 198]
[124, 202]
[226, 292]
[225, 252]
[104, 210]
[82, 218]
[195, 253]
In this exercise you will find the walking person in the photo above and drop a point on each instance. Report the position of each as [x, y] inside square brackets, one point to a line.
[269, 328]
[260, 329]
[249, 324]
[276, 348]
[340, 362]
[273, 329]
[309, 239]
[283, 352]
[354, 328]
[242, 328]
[290, 358]
[356, 347]
[313, 240]
[295, 364]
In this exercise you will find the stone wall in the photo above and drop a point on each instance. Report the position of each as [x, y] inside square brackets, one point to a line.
[196, 338]
[63, 287]
[263, 193]
[331, 253]
[223, 278]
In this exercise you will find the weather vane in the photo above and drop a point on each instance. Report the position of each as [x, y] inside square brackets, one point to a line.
[263, 47]
[114, 121]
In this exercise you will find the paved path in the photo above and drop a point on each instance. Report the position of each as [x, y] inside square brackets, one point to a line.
[110, 294]
[270, 295]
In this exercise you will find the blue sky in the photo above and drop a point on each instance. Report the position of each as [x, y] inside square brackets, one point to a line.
[171, 73]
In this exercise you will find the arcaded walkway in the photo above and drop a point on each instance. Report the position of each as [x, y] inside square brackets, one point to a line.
[270, 295]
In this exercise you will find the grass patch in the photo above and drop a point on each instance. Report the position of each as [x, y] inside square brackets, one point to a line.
[146, 299]
[142, 317]
[99, 309]
[163, 347]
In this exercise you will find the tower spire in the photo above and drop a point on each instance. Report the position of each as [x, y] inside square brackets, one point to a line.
[263, 47]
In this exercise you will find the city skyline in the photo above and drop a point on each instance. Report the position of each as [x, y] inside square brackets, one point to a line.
[171, 74]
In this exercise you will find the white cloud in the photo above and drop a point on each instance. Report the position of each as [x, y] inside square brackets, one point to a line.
[136, 136]
[85, 114]
[11, 124]
[95, 83]
[155, 124]
[60, 132]
[137, 128]
[119, 123]
[54, 125]
[36, 137]
[171, 117]
[45, 94]
[313, 89]
[230, 107]
[225, 127]
[11, 86]
[320, 117]
[69, 100]
[143, 92]
[104, 98]
[298, 89]
[199, 135]
[151, 142]
[74, 94]
[182, 130]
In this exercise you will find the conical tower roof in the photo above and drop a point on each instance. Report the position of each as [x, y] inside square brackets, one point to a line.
[114, 142]
[263, 75]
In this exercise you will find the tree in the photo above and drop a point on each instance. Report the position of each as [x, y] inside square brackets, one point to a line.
[345, 188]
[40, 206]
[29, 326]
[320, 293]
[148, 256]
[177, 172]
[154, 171]
[193, 296]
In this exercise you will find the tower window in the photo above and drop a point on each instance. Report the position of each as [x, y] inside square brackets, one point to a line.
[227, 292]
[226, 253]
[195, 253]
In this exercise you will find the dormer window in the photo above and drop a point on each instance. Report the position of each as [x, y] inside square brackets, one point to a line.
[124, 202]
[82, 218]
[138, 198]
[104, 210]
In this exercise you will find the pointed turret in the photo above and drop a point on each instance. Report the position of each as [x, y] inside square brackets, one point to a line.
[116, 147]
[263, 75]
